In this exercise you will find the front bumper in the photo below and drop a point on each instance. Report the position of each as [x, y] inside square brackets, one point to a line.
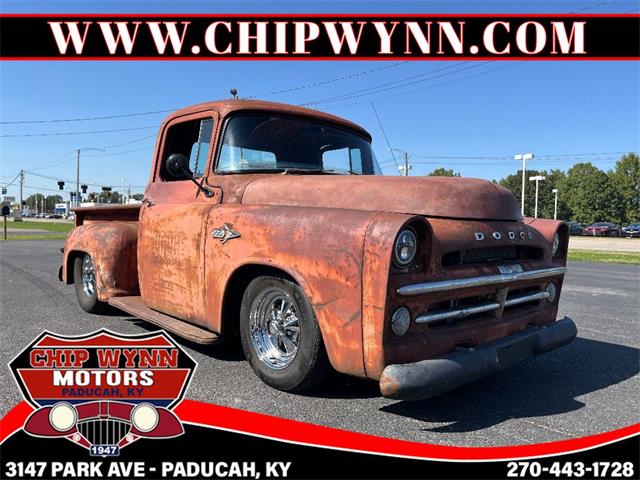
[429, 378]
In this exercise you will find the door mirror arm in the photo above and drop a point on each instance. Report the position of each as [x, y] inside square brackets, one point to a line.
[177, 166]
[207, 193]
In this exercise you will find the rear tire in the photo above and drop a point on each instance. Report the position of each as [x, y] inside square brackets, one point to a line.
[84, 278]
[280, 335]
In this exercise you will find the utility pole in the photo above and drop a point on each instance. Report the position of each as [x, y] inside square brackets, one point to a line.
[406, 167]
[537, 179]
[524, 157]
[122, 190]
[21, 185]
[555, 204]
[78, 178]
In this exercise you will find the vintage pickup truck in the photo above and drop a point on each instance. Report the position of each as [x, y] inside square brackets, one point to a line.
[273, 222]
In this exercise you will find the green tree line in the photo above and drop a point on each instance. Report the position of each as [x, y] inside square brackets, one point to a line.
[586, 194]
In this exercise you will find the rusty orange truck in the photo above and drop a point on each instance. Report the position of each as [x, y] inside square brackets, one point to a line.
[274, 223]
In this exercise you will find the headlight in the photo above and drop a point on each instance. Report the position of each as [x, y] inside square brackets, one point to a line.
[405, 248]
[400, 321]
[144, 417]
[556, 244]
[63, 416]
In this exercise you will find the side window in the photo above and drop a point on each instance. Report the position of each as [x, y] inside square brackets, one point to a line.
[192, 139]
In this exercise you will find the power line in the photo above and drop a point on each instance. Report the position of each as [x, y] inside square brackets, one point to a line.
[429, 86]
[326, 82]
[154, 112]
[11, 182]
[394, 84]
[136, 140]
[384, 134]
[115, 154]
[85, 119]
[48, 134]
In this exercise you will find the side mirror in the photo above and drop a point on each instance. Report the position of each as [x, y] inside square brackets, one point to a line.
[177, 166]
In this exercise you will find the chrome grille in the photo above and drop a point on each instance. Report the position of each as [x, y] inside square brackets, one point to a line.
[495, 306]
[104, 431]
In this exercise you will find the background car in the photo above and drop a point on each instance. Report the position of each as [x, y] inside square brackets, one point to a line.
[604, 229]
[631, 231]
[575, 228]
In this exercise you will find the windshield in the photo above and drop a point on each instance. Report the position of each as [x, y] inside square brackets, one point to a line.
[273, 142]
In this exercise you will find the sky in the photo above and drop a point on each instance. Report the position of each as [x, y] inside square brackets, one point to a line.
[469, 116]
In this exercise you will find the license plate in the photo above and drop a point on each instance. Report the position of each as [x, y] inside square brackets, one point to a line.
[513, 268]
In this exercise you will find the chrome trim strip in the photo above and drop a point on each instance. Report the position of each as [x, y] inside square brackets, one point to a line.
[462, 312]
[457, 312]
[446, 285]
[526, 297]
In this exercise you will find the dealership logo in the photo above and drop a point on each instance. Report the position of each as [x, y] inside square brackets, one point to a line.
[103, 391]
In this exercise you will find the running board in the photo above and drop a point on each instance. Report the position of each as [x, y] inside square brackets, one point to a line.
[137, 308]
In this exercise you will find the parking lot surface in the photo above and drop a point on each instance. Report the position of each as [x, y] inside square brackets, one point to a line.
[587, 387]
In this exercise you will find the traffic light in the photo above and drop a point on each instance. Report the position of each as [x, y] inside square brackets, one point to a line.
[106, 189]
[72, 194]
[4, 190]
[61, 185]
[84, 188]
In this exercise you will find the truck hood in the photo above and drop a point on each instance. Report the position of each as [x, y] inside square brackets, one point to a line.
[461, 198]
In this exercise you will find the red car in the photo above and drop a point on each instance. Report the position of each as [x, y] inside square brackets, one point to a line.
[603, 229]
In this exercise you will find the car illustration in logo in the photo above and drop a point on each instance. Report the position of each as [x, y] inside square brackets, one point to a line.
[103, 391]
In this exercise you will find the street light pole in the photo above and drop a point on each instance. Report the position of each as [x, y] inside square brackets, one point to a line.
[537, 179]
[555, 204]
[524, 157]
[405, 169]
[78, 170]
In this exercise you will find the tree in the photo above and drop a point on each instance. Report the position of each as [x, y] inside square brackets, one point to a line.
[626, 179]
[591, 195]
[546, 197]
[50, 202]
[443, 172]
[138, 196]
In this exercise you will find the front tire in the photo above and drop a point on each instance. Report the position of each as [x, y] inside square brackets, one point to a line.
[280, 335]
[84, 278]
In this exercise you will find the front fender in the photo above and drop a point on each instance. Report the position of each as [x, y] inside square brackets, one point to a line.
[322, 249]
[113, 248]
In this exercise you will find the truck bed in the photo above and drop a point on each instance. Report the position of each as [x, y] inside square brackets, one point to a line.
[107, 213]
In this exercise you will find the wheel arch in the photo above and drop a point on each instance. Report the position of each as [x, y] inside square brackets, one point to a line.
[236, 285]
[112, 246]
[71, 257]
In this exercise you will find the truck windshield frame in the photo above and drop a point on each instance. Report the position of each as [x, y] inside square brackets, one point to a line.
[273, 142]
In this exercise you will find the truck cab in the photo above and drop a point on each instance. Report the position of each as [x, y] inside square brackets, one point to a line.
[274, 223]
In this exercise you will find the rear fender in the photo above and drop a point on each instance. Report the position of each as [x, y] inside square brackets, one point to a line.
[113, 248]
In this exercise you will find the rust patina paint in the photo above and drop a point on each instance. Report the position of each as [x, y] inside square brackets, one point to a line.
[333, 235]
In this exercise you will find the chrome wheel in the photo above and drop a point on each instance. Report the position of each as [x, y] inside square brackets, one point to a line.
[88, 277]
[274, 328]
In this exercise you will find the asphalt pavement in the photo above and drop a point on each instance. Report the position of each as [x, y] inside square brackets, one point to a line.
[587, 387]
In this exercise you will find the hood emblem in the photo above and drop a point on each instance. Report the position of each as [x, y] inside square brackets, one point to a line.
[224, 233]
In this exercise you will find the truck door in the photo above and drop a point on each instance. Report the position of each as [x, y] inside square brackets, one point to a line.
[172, 230]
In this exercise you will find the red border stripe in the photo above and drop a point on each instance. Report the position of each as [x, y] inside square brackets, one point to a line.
[227, 418]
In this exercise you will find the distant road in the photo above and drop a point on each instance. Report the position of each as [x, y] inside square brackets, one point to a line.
[606, 244]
